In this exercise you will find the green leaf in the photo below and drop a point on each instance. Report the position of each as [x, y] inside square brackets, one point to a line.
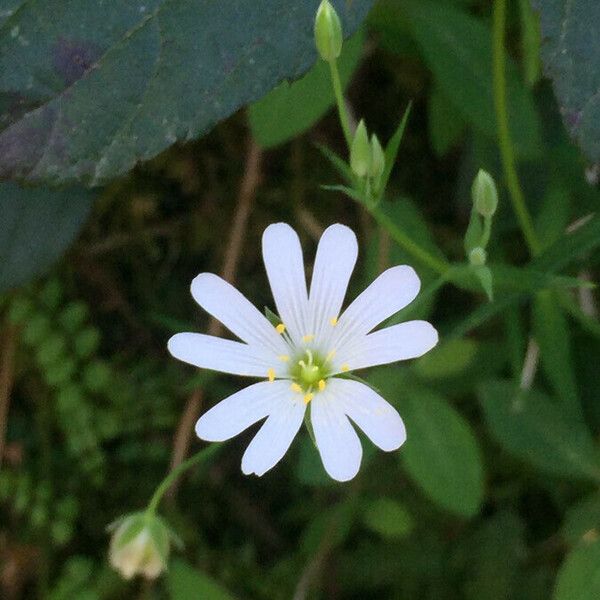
[571, 58]
[388, 518]
[445, 124]
[392, 147]
[89, 89]
[184, 582]
[36, 228]
[579, 576]
[535, 428]
[292, 108]
[448, 359]
[441, 453]
[551, 331]
[458, 49]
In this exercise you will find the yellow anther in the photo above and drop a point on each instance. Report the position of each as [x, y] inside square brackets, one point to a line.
[308, 397]
[271, 375]
[345, 367]
[322, 385]
[280, 328]
[296, 388]
[283, 357]
[308, 338]
[333, 321]
[330, 355]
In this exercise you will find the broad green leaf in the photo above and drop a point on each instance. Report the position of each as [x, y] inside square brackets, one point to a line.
[88, 89]
[441, 453]
[458, 49]
[537, 429]
[36, 227]
[448, 359]
[388, 518]
[184, 582]
[571, 58]
[551, 331]
[292, 108]
[579, 575]
[445, 124]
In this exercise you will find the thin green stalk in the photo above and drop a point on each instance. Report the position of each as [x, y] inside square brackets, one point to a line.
[203, 455]
[504, 139]
[434, 263]
[341, 105]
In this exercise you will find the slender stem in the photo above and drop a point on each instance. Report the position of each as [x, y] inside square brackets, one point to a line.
[341, 106]
[201, 456]
[504, 138]
[434, 263]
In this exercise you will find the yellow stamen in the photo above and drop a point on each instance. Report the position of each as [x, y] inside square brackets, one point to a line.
[333, 321]
[296, 388]
[322, 385]
[271, 375]
[345, 367]
[308, 397]
[283, 357]
[280, 328]
[330, 355]
[308, 338]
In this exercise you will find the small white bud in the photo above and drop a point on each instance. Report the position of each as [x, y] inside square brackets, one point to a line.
[484, 193]
[140, 545]
[328, 32]
[360, 152]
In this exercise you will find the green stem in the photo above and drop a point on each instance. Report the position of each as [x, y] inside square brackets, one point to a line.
[434, 263]
[504, 138]
[200, 457]
[341, 105]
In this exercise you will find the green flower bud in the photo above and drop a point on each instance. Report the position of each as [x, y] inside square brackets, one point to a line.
[140, 545]
[484, 193]
[377, 159]
[477, 257]
[328, 32]
[360, 152]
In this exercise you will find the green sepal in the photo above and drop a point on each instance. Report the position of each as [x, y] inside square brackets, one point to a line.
[484, 275]
[309, 427]
[352, 193]
[474, 232]
[272, 317]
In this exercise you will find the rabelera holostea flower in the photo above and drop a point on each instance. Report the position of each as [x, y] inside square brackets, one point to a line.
[305, 358]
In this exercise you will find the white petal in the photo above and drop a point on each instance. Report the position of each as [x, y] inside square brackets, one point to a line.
[282, 255]
[390, 292]
[228, 305]
[209, 352]
[276, 435]
[336, 439]
[334, 263]
[236, 413]
[398, 342]
[375, 416]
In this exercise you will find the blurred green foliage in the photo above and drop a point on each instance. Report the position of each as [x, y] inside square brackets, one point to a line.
[495, 493]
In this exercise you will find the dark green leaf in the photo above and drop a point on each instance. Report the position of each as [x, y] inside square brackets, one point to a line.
[458, 49]
[88, 89]
[582, 522]
[292, 108]
[445, 124]
[571, 57]
[388, 518]
[36, 228]
[535, 428]
[392, 147]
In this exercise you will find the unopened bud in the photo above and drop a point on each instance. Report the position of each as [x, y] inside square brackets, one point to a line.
[484, 193]
[328, 32]
[477, 257]
[377, 159]
[140, 545]
[360, 152]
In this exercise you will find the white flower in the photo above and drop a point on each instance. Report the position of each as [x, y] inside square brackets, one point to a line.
[304, 358]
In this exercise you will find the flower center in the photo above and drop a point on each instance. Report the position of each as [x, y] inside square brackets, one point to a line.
[309, 373]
